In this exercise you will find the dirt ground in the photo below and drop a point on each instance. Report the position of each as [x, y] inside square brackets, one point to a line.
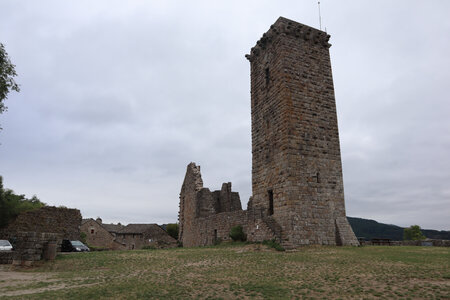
[12, 277]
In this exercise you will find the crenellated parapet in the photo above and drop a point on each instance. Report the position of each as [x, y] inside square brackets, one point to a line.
[303, 33]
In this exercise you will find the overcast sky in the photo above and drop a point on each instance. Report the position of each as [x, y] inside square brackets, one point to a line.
[119, 96]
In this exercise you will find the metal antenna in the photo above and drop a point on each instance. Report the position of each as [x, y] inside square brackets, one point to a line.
[320, 18]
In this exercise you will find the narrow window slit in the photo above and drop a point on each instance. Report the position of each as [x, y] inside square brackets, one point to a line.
[267, 76]
[270, 192]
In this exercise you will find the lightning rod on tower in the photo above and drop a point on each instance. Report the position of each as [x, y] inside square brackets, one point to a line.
[320, 18]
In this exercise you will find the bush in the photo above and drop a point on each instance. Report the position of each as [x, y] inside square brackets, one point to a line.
[237, 233]
[83, 237]
[273, 244]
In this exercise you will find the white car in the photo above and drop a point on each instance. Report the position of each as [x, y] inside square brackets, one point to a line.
[5, 245]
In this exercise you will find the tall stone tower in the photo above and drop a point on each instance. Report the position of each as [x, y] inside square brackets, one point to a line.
[296, 164]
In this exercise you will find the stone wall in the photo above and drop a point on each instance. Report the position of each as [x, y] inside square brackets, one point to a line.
[131, 241]
[33, 232]
[207, 217]
[6, 257]
[428, 242]
[64, 221]
[31, 246]
[159, 238]
[296, 161]
[192, 184]
[217, 227]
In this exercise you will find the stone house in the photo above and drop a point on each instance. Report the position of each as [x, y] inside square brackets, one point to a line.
[136, 236]
[120, 237]
[101, 235]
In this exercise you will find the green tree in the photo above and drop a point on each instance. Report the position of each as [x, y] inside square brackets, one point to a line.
[11, 205]
[7, 72]
[413, 233]
[172, 230]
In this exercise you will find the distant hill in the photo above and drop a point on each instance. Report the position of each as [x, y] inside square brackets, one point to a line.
[370, 229]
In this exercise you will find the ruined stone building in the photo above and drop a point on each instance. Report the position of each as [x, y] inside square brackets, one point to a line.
[297, 187]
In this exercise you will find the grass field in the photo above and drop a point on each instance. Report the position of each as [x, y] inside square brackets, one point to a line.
[239, 271]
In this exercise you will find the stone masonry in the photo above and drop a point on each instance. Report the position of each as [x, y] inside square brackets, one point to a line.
[98, 236]
[207, 217]
[50, 219]
[34, 233]
[297, 183]
[31, 246]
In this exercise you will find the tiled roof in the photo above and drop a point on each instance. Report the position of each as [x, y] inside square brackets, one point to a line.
[139, 228]
[153, 231]
[113, 227]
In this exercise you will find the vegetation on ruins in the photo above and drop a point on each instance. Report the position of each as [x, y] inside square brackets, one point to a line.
[413, 233]
[149, 247]
[83, 237]
[237, 233]
[273, 244]
[172, 230]
[11, 204]
[239, 271]
[7, 72]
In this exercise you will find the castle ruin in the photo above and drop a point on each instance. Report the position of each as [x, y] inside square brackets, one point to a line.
[297, 186]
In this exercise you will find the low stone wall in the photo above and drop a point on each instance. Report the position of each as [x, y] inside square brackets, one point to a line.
[207, 231]
[31, 246]
[6, 257]
[441, 243]
[434, 243]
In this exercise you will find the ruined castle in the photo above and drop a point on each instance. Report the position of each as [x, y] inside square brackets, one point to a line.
[297, 187]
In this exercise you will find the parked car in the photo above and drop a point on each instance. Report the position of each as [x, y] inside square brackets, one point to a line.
[5, 245]
[73, 246]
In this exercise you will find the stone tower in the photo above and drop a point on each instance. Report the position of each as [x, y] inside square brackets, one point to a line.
[296, 160]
